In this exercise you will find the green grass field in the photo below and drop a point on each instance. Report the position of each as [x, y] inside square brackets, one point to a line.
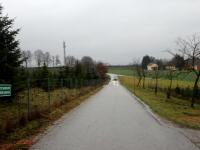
[175, 109]
[122, 70]
[129, 71]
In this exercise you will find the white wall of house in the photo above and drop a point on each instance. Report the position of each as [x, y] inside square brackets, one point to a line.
[152, 66]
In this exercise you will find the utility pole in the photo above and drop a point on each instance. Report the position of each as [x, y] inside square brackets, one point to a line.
[64, 47]
[53, 59]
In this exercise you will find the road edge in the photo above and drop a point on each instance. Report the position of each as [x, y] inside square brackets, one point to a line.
[186, 132]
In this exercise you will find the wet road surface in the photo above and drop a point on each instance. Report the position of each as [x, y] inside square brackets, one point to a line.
[112, 120]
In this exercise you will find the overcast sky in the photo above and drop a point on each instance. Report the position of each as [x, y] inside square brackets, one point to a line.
[113, 31]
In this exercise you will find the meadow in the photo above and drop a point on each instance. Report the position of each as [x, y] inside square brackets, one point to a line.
[176, 109]
[130, 71]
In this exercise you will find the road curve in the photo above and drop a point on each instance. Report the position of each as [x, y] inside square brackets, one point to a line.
[112, 120]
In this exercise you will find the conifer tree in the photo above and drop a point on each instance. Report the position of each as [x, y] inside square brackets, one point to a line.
[9, 50]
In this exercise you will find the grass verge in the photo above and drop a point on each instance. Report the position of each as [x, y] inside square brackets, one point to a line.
[23, 137]
[176, 110]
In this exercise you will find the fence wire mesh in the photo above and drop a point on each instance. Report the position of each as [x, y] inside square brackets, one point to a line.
[35, 97]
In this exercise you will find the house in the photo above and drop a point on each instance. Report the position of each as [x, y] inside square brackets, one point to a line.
[197, 67]
[189, 64]
[152, 66]
[170, 67]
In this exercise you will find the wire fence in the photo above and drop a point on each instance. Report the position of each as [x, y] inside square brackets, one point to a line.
[37, 97]
[179, 88]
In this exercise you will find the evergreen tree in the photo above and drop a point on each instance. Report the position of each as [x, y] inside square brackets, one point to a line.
[9, 50]
[145, 61]
[44, 76]
[78, 70]
[178, 61]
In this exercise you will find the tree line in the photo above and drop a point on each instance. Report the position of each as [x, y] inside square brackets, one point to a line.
[40, 58]
[12, 70]
[185, 60]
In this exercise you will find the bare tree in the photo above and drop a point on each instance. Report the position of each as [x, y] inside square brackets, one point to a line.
[47, 59]
[171, 75]
[87, 60]
[190, 48]
[157, 72]
[89, 66]
[143, 76]
[39, 57]
[178, 61]
[53, 61]
[139, 69]
[57, 61]
[26, 57]
[70, 61]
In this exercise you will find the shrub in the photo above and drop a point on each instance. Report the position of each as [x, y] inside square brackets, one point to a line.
[23, 120]
[55, 114]
[35, 114]
[32, 125]
[9, 125]
[177, 90]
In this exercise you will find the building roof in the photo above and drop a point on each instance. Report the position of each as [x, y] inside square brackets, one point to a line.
[152, 65]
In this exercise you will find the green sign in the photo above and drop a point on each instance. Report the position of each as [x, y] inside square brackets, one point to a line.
[5, 90]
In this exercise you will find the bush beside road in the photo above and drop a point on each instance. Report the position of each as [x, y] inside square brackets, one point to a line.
[16, 127]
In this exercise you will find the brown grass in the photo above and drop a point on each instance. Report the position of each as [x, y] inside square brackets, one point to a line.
[41, 118]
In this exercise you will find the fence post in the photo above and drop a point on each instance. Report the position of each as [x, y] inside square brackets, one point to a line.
[70, 83]
[19, 111]
[28, 100]
[62, 91]
[49, 96]
[81, 85]
[76, 86]
[134, 84]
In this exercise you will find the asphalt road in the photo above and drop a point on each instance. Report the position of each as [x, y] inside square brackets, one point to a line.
[112, 120]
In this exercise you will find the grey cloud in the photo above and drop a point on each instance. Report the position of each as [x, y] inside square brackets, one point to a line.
[114, 31]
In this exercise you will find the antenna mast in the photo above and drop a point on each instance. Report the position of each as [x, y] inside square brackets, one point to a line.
[64, 47]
